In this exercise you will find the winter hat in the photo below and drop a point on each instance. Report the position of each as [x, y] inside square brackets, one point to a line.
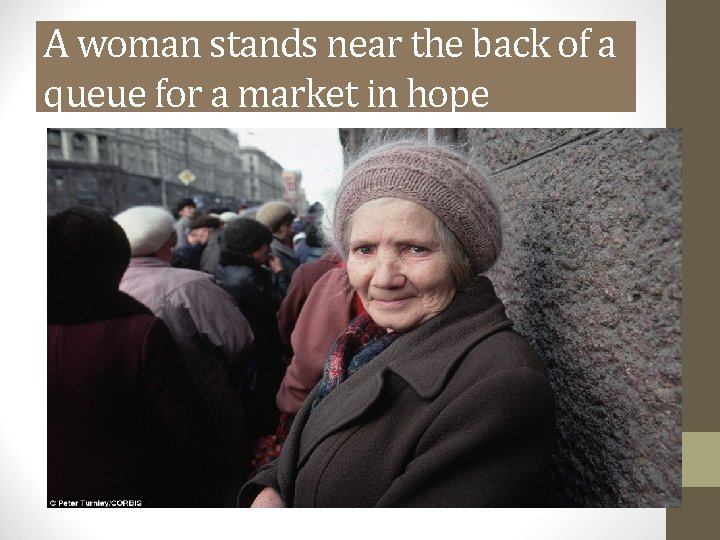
[314, 236]
[182, 203]
[433, 177]
[147, 229]
[205, 220]
[227, 217]
[245, 236]
[275, 213]
[87, 251]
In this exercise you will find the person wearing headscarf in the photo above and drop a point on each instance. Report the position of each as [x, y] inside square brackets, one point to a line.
[430, 398]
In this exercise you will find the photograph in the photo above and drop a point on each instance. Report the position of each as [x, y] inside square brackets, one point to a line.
[365, 317]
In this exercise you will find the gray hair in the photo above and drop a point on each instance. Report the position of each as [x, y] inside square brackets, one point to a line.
[459, 260]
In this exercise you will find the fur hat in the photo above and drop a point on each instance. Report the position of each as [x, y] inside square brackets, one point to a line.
[182, 203]
[205, 220]
[245, 236]
[147, 229]
[274, 213]
[433, 177]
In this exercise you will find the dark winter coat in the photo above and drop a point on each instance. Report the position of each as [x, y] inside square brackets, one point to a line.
[458, 412]
[258, 294]
[213, 340]
[124, 419]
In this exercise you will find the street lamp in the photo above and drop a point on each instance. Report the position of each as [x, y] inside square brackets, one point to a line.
[163, 195]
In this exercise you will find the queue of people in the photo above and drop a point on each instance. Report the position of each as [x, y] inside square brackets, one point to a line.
[383, 369]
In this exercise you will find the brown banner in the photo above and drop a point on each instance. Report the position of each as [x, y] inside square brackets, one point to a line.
[336, 66]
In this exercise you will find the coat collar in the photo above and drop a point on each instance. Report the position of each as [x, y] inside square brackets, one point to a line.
[278, 246]
[426, 356]
[148, 262]
[95, 306]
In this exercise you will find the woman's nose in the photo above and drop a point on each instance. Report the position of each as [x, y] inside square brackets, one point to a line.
[387, 273]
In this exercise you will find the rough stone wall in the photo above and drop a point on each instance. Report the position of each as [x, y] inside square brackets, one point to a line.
[591, 274]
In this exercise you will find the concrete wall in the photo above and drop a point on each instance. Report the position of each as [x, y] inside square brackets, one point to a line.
[591, 274]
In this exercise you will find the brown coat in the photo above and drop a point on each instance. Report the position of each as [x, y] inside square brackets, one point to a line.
[457, 412]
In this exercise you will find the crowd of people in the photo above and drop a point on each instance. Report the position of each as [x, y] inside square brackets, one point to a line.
[223, 359]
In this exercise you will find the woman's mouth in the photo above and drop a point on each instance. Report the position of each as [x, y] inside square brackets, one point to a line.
[390, 303]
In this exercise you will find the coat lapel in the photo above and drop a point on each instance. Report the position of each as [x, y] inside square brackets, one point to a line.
[332, 414]
[341, 408]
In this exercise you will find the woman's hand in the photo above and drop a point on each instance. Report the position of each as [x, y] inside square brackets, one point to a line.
[275, 264]
[268, 498]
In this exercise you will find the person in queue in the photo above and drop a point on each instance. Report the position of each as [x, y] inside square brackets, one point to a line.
[213, 337]
[430, 399]
[330, 307]
[278, 216]
[203, 246]
[124, 418]
[185, 211]
[253, 276]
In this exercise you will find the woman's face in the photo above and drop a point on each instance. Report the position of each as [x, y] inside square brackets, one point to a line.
[397, 265]
[261, 255]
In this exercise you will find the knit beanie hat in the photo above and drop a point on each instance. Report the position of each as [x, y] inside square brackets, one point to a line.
[433, 177]
[245, 236]
[147, 229]
[273, 213]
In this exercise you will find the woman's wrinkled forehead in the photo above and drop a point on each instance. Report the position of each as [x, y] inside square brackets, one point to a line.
[391, 215]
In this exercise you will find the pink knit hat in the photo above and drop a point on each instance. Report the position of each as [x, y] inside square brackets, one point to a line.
[434, 177]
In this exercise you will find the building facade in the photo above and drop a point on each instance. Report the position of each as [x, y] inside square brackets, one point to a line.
[114, 168]
[294, 193]
[262, 176]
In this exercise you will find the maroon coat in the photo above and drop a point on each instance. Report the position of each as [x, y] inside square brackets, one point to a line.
[303, 280]
[326, 314]
[124, 421]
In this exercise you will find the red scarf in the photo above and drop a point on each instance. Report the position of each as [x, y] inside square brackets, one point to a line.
[359, 344]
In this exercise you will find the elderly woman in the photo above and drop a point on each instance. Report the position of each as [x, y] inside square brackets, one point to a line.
[431, 399]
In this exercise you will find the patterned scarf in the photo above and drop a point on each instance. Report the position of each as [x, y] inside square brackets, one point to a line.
[361, 342]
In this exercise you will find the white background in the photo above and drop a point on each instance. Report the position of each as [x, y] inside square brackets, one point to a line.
[23, 512]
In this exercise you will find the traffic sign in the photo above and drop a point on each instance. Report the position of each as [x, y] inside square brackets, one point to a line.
[186, 177]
